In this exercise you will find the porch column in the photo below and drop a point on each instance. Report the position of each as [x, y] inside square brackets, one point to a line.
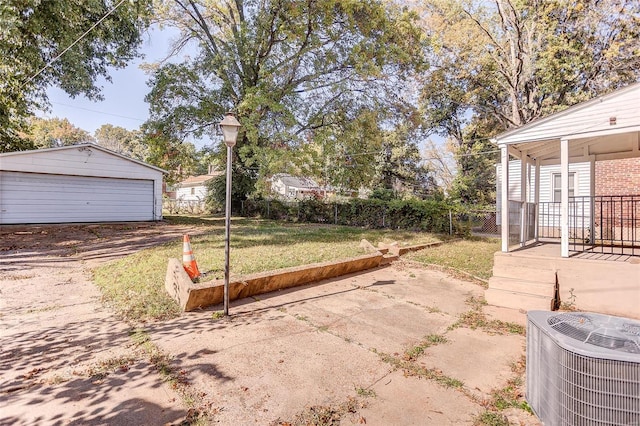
[592, 199]
[523, 198]
[564, 198]
[504, 194]
[537, 198]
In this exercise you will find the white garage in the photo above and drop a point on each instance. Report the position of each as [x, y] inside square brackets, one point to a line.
[79, 183]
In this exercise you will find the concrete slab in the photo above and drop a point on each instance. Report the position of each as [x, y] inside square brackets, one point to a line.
[515, 316]
[55, 333]
[278, 355]
[142, 399]
[283, 352]
[480, 360]
[409, 401]
[259, 367]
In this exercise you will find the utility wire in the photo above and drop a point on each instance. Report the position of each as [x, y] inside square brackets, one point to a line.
[73, 44]
[98, 112]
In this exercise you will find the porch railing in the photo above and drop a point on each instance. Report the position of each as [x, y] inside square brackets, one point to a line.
[603, 224]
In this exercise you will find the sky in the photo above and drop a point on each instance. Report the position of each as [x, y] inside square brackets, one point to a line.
[123, 103]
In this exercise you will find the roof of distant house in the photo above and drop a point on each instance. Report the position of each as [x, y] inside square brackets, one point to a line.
[199, 180]
[297, 182]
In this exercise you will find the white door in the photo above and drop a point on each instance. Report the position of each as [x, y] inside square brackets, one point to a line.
[48, 198]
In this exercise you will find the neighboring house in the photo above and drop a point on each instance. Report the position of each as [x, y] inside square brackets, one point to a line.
[169, 191]
[192, 192]
[292, 187]
[78, 183]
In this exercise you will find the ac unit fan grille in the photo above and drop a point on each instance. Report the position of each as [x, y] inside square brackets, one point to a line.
[592, 329]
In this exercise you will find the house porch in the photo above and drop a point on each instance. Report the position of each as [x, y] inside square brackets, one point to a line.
[538, 277]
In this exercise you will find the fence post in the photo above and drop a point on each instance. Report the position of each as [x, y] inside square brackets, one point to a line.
[242, 208]
[268, 210]
[335, 218]
[384, 210]
[450, 223]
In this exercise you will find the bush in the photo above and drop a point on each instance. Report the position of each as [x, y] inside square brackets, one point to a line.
[417, 215]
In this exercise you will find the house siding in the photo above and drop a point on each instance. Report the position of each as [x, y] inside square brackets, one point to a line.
[582, 186]
[76, 167]
[590, 116]
[199, 193]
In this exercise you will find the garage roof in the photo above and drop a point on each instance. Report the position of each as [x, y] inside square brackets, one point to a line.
[81, 147]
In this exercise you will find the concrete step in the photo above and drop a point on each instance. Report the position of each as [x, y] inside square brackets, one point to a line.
[509, 266]
[524, 272]
[522, 286]
[514, 300]
[388, 258]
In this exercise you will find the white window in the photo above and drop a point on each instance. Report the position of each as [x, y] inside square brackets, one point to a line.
[557, 186]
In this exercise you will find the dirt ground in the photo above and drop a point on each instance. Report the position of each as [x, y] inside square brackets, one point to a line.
[65, 358]
[322, 354]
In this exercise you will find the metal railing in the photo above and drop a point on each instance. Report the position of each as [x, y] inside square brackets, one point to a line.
[601, 224]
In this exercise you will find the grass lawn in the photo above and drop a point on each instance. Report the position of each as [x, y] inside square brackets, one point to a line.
[473, 256]
[134, 285]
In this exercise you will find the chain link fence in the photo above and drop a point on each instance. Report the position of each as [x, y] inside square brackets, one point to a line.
[430, 216]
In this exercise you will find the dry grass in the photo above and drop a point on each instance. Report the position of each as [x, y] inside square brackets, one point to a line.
[134, 286]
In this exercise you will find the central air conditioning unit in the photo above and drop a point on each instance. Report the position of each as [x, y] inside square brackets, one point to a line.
[583, 368]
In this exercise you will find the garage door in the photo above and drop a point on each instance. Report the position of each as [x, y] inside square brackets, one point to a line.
[46, 198]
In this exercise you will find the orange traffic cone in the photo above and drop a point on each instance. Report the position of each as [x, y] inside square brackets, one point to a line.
[188, 259]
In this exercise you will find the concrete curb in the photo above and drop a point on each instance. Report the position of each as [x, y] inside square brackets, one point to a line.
[191, 296]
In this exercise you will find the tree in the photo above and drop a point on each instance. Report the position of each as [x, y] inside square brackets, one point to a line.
[53, 132]
[122, 141]
[440, 160]
[34, 36]
[399, 166]
[178, 158]
[288, 68]
[503, 63]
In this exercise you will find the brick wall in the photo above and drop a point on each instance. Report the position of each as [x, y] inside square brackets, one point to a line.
[617, 218]
[618, 177]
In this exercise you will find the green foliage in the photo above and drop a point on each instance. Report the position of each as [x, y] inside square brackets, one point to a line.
[295, 72]
[243, 183]
[399, 165]
[382, 194]
[178, 158]
[504, 63]
[33, 33]
[52, 132]
[491, 418]
[416, 215]
[123, 141]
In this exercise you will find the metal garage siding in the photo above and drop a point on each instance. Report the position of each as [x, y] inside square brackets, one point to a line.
[48, 198]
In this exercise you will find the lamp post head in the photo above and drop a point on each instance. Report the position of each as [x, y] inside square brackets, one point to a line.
[230, 127]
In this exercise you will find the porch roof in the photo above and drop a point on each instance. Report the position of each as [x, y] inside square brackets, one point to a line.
[607, 127]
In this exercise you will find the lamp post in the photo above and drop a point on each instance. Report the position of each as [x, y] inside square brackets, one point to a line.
[229, 127]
